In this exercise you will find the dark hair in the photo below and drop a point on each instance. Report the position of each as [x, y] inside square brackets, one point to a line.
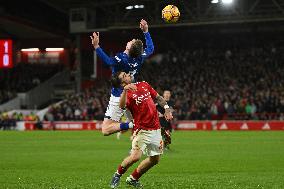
[115, 81]
[136, 49]
[167, 89]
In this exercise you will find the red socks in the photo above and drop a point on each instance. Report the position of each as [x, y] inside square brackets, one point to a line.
[121, 170]
[136, 175]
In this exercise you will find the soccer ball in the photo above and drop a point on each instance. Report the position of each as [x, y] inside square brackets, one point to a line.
[170, 14]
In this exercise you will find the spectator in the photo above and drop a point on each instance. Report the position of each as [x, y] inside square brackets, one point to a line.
[207, 83]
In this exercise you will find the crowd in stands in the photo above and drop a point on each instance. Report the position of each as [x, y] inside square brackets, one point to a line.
[8, 121]
[88, 105]
[24, 77]
[210, 84]
[239, 84]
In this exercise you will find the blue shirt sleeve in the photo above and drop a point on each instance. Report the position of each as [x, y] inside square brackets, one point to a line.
[110, 61]
[149, 46]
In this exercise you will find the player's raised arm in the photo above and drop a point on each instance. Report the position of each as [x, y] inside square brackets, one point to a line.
[106, 59]
[149, 43]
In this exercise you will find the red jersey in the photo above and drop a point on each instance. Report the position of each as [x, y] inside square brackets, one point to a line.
[140, 103]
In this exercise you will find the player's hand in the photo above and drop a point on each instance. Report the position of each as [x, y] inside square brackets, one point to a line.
[95, 39]
[168, 114]
[131, 87]
[144, 26]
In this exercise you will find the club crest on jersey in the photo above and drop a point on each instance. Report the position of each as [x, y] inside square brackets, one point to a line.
[133, 65]
[144, 89]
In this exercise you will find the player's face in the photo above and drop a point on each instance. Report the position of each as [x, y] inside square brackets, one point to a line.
[167, 95]
[128, 46]
[125, 78]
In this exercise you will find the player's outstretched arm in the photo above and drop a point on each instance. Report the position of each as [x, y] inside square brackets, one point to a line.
[95, 38]
[149, 43]
[168, 113]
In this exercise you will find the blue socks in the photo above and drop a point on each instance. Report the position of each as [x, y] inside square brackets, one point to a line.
[124, 126]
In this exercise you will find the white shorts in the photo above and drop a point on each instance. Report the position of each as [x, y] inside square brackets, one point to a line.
[114, 112]
[149, 142]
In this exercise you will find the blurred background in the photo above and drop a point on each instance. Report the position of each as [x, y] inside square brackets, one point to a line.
[222, 61]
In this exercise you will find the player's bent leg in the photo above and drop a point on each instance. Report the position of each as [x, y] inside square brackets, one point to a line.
[148, 163]
[142, 168]
[111, 123]
[110, 126]
[127, 162]
[132, 158]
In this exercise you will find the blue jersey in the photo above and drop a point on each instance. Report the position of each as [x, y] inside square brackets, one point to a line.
[122, 62]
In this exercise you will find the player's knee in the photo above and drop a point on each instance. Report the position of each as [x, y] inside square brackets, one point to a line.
[105, 132]
[135, 158]
[105, 129]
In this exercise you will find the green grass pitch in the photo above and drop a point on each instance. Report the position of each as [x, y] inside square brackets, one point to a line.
[86, 159]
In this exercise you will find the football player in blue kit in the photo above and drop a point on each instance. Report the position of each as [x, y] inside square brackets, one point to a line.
[129, 61]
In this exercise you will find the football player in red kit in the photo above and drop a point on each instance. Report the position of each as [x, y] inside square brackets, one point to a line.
[139, 98]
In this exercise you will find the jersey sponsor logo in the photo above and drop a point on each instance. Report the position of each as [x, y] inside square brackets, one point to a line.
[139, 99]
